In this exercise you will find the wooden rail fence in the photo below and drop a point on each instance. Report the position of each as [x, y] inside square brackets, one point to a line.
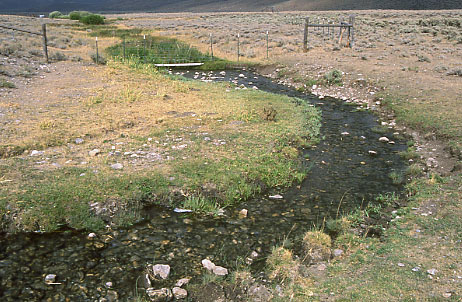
[43, 34]
[344, 27]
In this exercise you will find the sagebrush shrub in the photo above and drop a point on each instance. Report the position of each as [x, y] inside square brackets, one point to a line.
[92, 19]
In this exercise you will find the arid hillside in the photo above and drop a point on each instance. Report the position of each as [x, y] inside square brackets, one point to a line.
[9, 6]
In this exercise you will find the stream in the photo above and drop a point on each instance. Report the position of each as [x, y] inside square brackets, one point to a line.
[108, 266]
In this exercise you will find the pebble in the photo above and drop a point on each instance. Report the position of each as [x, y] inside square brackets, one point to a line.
[243, 213]
[50, 278]
[432, 271]
[79, 141]
[91, 235]
[277, 196]
[36, 153]
[117, 166]
[94, 152]
[337, 252]
[401, 264]
[384, 139]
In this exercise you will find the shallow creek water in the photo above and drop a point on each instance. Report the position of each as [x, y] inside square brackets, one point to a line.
[341, 169]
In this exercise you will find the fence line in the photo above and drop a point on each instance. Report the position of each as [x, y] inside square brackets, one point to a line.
[43, 34]
[152, 50]
[343, 27]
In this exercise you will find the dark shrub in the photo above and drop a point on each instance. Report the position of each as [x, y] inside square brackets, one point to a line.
[55, 14]
[92, 19]
[77, 15]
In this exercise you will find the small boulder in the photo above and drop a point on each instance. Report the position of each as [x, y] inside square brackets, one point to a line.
[179, 293]
[161, 270]
[117, 166]
[220, 271]
[207, 264]
[182, 282]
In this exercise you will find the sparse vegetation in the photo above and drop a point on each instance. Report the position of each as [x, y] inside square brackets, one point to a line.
[6, 84]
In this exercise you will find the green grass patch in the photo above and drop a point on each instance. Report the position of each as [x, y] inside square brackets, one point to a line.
[6, 84]
[162, 50]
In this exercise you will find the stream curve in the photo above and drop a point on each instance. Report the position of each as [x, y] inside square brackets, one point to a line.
[109, 265]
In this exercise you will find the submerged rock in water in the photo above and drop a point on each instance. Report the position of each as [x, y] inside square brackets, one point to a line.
[159, 295]
[50, 278]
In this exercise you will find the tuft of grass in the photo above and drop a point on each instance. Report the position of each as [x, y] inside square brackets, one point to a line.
[6, 84]
[333, 77]
[396, 178]
[414, 170]
[199, 204]
[316, 246]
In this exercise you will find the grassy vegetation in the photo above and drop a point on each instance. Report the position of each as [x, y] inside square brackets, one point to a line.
[6, 84]
[402, 265]
[442, 119]
[157, 50]
[213, 148]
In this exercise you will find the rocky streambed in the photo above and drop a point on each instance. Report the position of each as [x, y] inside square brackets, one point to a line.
[349, 167]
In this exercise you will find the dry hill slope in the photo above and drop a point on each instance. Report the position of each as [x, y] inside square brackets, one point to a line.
[10, 6]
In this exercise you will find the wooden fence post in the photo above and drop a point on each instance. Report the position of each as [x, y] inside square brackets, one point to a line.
[45, 46]
[144, 48]
[124, 48]
[238, 45]
[97, 53]
[211, 46]
[305, 35]
[352, 38]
